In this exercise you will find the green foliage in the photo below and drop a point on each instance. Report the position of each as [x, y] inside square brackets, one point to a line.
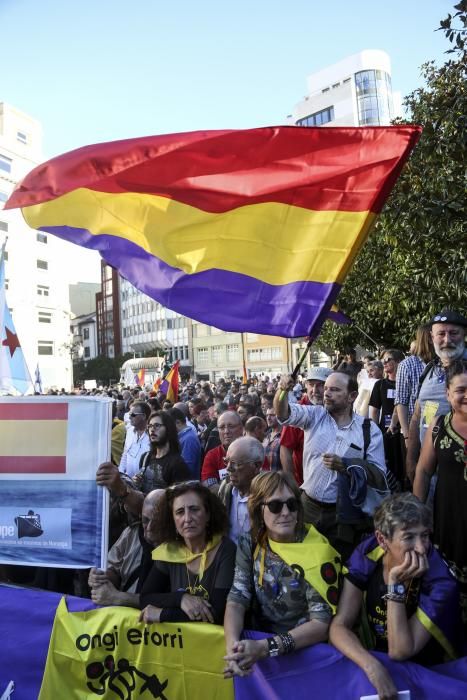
[104, 370]
[414, 261]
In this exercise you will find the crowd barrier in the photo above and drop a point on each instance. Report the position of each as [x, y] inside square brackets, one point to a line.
[107, 653]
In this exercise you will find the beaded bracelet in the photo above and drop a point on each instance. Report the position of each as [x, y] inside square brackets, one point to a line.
[394, 597]
[288, 643]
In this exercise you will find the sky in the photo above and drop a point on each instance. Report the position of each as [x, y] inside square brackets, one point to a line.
[101, 70]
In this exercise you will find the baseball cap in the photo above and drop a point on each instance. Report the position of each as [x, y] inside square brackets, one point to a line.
[449, 316]
[319, 374]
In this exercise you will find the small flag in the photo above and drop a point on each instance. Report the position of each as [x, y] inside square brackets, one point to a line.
[336, 315]
[157, 384]
[170, 383]
[38, 380]
[139, 377]
[245, 230]
[14, 374]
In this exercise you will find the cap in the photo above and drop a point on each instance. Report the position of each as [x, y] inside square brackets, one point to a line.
[448, 316]
[319, 374]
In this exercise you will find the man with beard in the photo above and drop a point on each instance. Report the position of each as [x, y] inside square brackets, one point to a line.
[129, 561]
[230, 428]
[448, 336]
[162, 466]
[291, 441]
[332, 433]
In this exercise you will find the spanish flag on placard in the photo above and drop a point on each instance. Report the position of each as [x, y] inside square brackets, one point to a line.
[107, 653]
[33, 437]
[250, 230]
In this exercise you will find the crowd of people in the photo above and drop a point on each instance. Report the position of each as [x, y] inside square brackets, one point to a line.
[240, 504]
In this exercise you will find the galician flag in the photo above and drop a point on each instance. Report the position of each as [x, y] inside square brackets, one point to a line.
[14, 374]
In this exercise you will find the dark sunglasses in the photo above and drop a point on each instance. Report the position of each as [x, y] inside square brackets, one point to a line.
[276, 505]
[388, 359]
[133, 415]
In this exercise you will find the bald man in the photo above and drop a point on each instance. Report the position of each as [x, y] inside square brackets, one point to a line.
[128, 562]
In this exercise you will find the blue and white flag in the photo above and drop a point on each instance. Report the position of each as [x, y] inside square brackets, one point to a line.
[14, 374]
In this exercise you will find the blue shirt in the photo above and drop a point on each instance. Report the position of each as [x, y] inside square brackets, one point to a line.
[191, 451]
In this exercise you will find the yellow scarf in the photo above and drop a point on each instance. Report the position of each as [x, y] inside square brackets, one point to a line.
[320, 563]
[175, 553]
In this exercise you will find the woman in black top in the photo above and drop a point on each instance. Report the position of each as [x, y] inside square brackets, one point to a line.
[193, 571]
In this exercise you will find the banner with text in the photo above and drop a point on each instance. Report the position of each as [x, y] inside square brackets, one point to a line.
[51, 511]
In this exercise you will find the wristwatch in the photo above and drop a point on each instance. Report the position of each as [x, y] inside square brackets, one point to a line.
[396, 589]
[273, 647]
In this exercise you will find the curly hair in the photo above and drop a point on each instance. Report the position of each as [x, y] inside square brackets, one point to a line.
[163, 524]
[262, 487]
[401, 510]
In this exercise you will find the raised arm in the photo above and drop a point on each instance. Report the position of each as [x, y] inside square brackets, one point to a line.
[281, 398]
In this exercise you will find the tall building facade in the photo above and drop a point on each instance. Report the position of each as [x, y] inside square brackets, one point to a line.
[109, 341]
[356, 91]
[37, 287]
[148, 326]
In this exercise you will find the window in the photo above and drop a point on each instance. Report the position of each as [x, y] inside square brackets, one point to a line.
[42, 265]
[41, 237]
[260, 354]
[87, 352]
[5, 164]
[318, 118]
[42, 290]
[216, 353]
[4, 226]
[347, 80]
[45, 347]
[45, 317]
[21, 137]
[203, 355]
[7, 284]
[233, 353]
[336, 85]
[5, 255]
[3, 196]
[85, 333]
[325, 90]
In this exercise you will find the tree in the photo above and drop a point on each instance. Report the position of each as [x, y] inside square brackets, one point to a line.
[414, 261]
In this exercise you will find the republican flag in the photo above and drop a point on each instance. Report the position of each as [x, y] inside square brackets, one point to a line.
[338, 316]
[139, 377]
[14, 373]
[170, 383]
[251, 230]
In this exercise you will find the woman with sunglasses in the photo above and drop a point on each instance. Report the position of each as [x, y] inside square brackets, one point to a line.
[445, 449]
[193, 569]
[286, 577]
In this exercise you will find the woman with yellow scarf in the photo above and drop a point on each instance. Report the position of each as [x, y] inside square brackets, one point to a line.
[287, 578]
[193, 569]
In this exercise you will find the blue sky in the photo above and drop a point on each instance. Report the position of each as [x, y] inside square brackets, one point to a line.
[97, 70]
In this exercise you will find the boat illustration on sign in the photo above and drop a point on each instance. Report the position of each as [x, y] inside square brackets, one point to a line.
[29, 525]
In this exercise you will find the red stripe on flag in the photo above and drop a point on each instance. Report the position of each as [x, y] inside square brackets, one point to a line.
[32, 465]
[33, 411]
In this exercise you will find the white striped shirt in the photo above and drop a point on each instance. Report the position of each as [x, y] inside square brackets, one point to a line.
[323, 435]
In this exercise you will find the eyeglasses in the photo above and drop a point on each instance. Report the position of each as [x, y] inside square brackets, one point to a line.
[388, 359]
[155, 425]
[276, 505]
[234, 466]
[133, 415]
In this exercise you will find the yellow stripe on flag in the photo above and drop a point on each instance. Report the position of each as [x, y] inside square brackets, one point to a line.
[33, 438]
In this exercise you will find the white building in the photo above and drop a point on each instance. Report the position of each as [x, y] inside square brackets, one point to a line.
[37, 290]
[146, 325]
[84, 338]
[356, 91]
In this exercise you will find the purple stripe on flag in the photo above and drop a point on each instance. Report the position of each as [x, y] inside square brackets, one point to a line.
[227, 300]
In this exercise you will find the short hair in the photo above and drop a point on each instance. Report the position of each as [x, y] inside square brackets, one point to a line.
[254, 423]
[352, 384]
[199, 407]
[154, 404]
[177, 415]
[377, 364]
[163, 524]
[268, 397]
[145, 408]
[254, 448]
[401, 510]
[262, 487]
[456, 368]
[171, 429]
[396, 354]
[221, 407]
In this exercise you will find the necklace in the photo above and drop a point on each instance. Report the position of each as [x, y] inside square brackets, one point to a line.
[195, 588]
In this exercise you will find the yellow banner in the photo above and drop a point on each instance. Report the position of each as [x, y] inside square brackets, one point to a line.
[107, 653]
